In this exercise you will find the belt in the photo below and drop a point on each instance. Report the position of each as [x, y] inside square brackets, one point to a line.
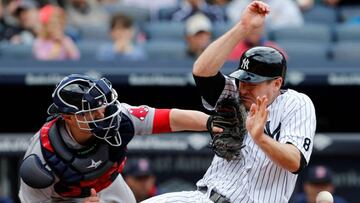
[214, 196]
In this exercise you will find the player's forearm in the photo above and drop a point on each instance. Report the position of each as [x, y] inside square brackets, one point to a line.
[286, 156]
[181, 120]
[216, 54]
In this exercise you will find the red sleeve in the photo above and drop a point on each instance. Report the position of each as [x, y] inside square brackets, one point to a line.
[161, 123]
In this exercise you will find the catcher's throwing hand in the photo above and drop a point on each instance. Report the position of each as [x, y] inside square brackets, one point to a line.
[93, 197]
[230, 117]
[257, 117]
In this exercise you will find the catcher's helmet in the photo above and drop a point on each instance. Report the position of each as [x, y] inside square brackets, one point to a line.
[260, 64]
[80, 95]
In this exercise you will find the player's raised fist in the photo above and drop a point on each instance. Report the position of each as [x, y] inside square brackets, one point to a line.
[254, 14]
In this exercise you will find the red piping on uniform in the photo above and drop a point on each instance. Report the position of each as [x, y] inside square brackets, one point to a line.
[44, 135]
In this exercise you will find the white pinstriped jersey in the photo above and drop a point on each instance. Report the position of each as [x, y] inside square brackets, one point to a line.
[254, 178]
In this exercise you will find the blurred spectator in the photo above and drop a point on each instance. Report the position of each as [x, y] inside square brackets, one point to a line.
[43, 3]
[152, 6]
[122, 46]
[140, 178]
[284, 13]
[10, 7]
[341, 2]
[219, 2]
[255, 39]
[27, 13]
[198, 31]
[319, 178]
[190, 7]
[52, 43]
[109, 1]
[9, 26]
[81, 12]
[305, 4]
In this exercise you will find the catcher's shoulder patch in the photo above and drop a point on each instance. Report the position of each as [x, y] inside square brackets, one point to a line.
[139, 112]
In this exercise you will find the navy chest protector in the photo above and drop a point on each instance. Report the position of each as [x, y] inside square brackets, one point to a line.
[95, 167]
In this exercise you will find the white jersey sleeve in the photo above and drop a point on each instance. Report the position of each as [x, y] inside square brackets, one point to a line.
[298, 122]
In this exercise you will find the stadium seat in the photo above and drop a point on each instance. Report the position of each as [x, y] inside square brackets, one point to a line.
[94, 33]
[16, 52]
[163, 49]
[314, 33]
[306, 52]
[220, 28]
[346, 51]
[89, 49]
[347, 32]
[321, 14]
[164, 14]
[164, 30]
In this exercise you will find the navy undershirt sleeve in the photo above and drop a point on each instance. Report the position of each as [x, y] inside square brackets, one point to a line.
[210, 88]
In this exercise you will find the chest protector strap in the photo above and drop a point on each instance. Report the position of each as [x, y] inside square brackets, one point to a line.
[79, 171]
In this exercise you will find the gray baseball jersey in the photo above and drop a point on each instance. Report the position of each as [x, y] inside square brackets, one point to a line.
[143, 121]
[253, 177]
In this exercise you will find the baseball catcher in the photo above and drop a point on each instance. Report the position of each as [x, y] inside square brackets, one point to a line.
[230, 116]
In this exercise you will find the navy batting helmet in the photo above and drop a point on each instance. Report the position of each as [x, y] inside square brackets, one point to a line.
[260, 64]
[79, 95]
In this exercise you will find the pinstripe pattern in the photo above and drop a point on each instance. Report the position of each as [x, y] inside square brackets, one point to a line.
[180, 197]
[253, 177]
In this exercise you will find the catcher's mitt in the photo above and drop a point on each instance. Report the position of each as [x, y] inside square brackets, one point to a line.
[230, 116]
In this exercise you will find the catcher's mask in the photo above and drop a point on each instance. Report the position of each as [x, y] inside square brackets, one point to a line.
[84, 97]
[260, 64]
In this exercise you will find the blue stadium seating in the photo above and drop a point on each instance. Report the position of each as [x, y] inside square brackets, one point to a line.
[220, 28]
[321, 14]
[94, 33]
[346, 51]
[165, 30]
[306, 52]
[347, 32]
[89, 49]
[314, 33]
[165, 50]
[164, 14]
[16, 52]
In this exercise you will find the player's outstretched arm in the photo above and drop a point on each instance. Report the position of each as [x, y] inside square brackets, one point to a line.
[190, 120]
[215, 55]
[187, 120]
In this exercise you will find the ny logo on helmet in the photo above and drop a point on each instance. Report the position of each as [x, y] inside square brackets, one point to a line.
[245, 64]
